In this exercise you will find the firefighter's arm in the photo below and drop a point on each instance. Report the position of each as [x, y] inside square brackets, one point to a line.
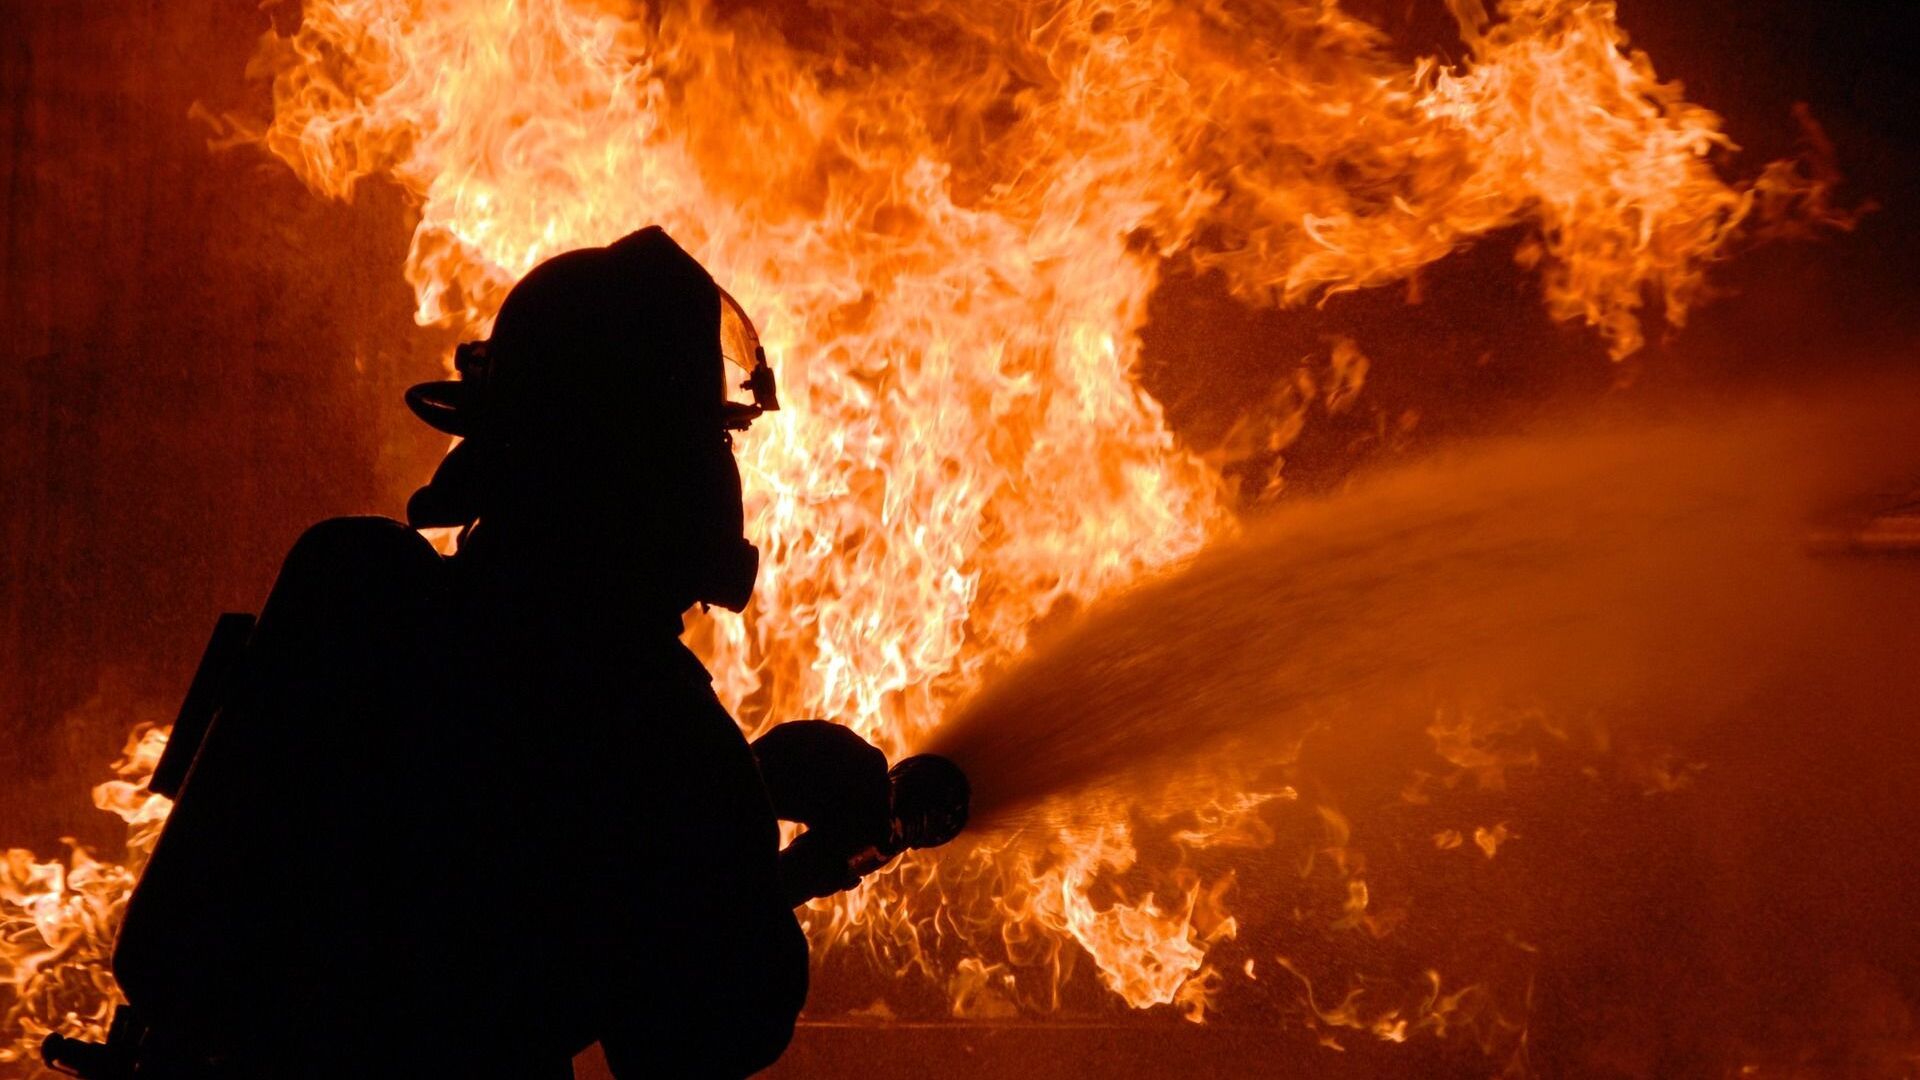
[829, 779]
[824, 776]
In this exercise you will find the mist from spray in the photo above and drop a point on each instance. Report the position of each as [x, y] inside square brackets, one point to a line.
[1654, 568]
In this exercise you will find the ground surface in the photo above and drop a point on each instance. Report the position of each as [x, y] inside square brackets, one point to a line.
[1041, 1051]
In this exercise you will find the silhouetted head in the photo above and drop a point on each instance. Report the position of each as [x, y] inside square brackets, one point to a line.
[931, 798]
[600, 408]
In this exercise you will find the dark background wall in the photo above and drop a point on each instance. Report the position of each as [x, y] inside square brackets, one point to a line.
[197, 357]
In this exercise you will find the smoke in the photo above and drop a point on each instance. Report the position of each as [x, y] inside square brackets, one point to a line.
[1658, 569]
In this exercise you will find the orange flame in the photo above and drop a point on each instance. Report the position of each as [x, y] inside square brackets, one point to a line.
[947, 221]
[57, 922]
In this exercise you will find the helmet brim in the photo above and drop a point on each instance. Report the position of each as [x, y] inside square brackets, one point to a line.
[446, 406]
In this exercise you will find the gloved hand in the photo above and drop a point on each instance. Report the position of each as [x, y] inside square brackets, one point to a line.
[834, 782]
[820, 863]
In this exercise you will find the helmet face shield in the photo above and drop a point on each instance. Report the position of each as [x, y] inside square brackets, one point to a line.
[740, 347]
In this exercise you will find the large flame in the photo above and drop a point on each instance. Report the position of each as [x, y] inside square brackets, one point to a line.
[947, 219]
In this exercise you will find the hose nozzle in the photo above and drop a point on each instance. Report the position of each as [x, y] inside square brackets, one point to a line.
[931, 798]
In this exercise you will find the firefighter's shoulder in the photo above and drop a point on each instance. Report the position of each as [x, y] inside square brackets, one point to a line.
[356, 562]
[368, 544]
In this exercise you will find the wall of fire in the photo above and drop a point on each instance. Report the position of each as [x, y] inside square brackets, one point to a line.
[198, 358]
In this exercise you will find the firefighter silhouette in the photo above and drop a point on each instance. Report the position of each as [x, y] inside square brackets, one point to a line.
[464, 816]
